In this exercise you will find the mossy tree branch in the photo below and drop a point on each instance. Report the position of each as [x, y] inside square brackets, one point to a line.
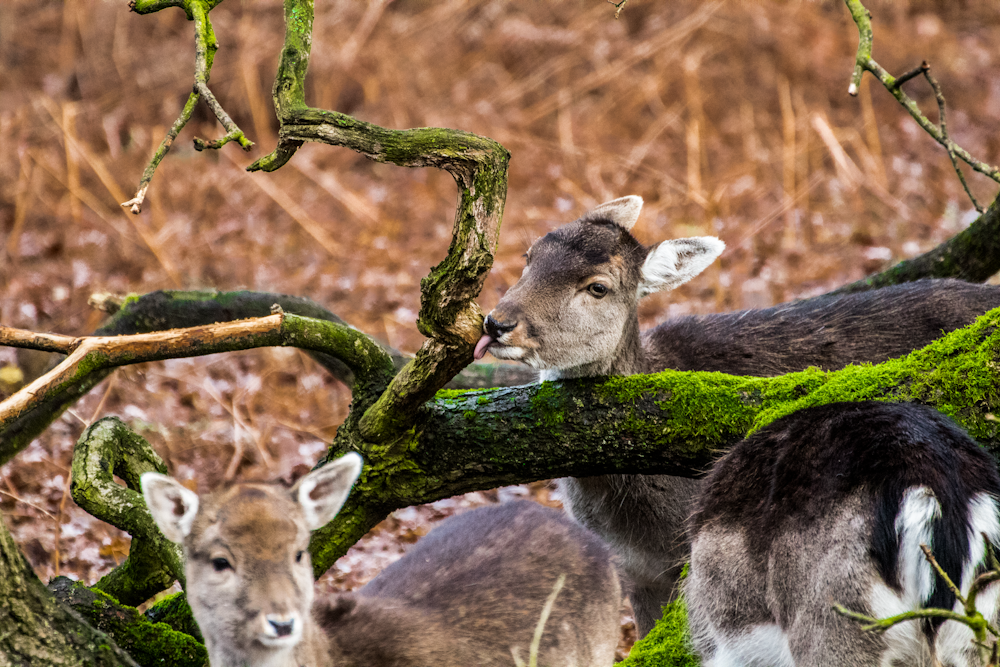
[107, 448]
[36, 629]
[89, 357]
[448, 315]
[671, 422]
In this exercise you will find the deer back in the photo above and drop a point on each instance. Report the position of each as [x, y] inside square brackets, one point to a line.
[830, 505]
[828, 332]
[472, 592]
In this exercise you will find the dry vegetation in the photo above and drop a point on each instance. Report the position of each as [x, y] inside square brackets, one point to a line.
[729, 118]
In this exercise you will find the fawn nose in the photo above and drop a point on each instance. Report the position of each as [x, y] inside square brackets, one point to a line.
[495, 328]
[282, 628]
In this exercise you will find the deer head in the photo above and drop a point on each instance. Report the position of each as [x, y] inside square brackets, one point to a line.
[574, 310]
[249, 576]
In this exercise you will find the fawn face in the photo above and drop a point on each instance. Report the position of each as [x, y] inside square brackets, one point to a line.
[249, 575]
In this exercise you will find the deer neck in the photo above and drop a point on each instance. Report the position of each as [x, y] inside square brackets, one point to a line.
[628, 358]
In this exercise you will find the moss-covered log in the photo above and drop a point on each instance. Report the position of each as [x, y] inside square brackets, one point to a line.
[36, 630]
[150, 644]
[671, 422]
[972, 255]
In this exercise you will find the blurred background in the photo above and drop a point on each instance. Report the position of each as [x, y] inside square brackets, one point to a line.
[728, 118]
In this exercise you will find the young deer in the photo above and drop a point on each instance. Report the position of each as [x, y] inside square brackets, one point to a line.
[830, 505]
[573, 313]
[472, 592]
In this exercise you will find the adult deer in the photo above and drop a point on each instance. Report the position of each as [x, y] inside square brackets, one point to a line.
[573, 313]
[830, 505]
[472, 592]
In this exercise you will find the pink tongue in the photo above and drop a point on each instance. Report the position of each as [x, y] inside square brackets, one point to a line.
[481, 346]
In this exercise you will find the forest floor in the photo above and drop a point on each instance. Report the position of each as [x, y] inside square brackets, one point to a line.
[728, 118]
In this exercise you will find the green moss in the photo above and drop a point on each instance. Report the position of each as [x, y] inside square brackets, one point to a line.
[549, 404]
[668, 644]
[148, 643]
[470, 415]
[482, 400]
[175, 612]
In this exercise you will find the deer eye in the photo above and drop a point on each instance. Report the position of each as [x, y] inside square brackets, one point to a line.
[598, 290]
[299, 555]
[220, 564]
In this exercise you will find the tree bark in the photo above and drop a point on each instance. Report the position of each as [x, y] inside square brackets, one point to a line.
[36, 629]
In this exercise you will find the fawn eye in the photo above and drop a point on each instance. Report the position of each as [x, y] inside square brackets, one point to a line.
[220, 564]
[598, 290]
[299, 556]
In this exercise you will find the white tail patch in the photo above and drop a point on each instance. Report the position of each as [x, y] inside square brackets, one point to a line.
[984, 518]
[172, 505]
[914, 526]
[673, 263]
[763, 646]
[623, 211]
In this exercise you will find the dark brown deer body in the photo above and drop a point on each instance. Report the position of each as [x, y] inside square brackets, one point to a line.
[470, 593]
[830, 505]
[573, 313]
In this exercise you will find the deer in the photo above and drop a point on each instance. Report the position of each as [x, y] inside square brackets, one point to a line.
[475, 591]
[574, 313]
[830, 506]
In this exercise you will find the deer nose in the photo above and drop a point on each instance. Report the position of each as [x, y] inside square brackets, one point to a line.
[496, 329]
[282, 628]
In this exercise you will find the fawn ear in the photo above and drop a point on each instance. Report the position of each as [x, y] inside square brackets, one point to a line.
[322, 492]
[623, 212]
[172, 505]
[675, 262]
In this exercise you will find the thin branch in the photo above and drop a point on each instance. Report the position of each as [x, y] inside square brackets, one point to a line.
[916, 71]
[371, 366]
[939, 96]
[944, 575]
[619, 6]
[135, 203]
[864, 61]
[871, 624]
[205, 47]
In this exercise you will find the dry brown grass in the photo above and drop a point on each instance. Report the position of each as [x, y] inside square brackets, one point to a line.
[729, 118]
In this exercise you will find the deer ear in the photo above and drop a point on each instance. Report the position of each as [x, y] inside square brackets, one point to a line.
[172, 505]
[623, 212]
[322, 492]
[675, 262]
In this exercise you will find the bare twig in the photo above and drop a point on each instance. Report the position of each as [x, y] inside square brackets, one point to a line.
[949, 146]
[205, 47]
[864, 61]
[944, 575]
[871, 624]
[88, 355]
[619, 6]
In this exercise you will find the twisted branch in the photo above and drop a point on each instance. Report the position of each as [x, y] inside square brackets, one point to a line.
[107, 448]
